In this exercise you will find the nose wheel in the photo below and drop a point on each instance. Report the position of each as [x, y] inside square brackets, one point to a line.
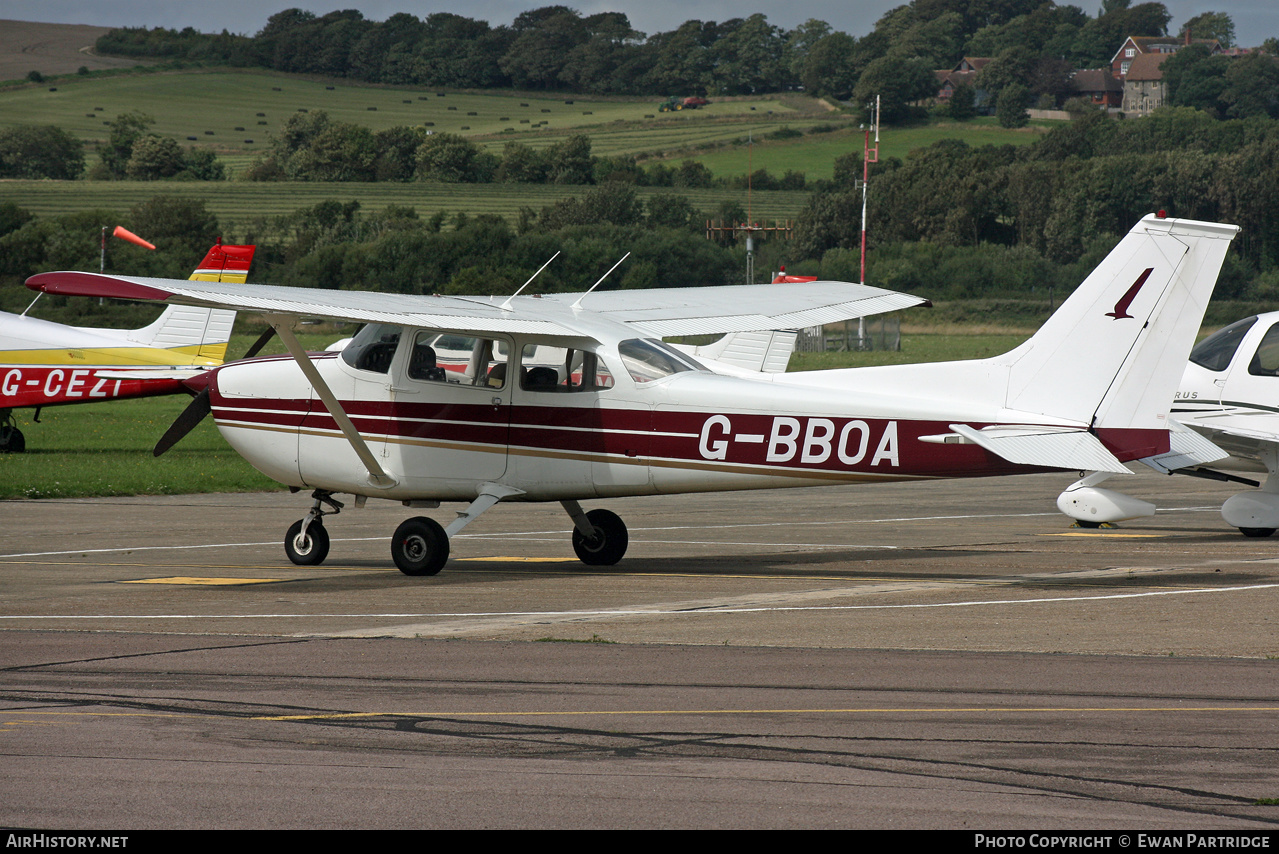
[309, 549]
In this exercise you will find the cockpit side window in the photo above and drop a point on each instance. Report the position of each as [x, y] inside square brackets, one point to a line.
[458, 360]
[1265, 362]
[424, 362]
[373, 348]
[1216, 351]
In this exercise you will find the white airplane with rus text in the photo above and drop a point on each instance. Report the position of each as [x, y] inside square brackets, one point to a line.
[575, 397]
[1229, 398]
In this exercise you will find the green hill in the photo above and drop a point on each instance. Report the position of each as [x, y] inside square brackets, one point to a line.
[234, 112]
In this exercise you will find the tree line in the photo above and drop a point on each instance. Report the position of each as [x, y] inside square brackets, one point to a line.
[1059, 204]
[555, 48]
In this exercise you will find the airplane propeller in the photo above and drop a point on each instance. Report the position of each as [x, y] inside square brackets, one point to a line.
[200, 405]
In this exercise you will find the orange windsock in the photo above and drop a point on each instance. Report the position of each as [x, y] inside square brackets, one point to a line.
[124, 234]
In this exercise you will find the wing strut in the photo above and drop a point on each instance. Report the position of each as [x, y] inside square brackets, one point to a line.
[377, 476]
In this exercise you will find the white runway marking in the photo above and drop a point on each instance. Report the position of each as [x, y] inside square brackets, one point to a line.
[684, 610]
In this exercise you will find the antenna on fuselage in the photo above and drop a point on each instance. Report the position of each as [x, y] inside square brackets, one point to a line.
[602, 278]
[507, 304]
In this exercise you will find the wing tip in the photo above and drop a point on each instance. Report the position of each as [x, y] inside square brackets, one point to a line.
[94, 285]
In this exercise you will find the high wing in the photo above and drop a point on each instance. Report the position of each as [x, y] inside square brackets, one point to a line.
[652, 313]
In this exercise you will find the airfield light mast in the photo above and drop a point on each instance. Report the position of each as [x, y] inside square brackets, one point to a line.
[869, 156]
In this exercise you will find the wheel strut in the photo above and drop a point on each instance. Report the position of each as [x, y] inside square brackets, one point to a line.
[306, 542]
[322, 497]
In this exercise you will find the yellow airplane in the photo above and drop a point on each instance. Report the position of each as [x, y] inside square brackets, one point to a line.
[52, 364]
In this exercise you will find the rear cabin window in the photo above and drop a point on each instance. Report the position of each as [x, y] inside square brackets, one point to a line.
[1216, 351]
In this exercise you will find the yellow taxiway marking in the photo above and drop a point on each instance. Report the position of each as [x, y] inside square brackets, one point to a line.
[193, 580]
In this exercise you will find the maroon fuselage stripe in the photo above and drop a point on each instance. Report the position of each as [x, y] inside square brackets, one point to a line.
[877, 446]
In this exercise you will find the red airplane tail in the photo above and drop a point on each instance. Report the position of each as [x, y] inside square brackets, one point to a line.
[225, 263]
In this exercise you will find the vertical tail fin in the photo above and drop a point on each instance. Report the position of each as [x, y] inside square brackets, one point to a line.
[1113, 353]
[203, 332]
[225, 263]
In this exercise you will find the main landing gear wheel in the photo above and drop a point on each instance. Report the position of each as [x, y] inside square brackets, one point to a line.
[1256, 532]
[609, 543]
[310, 550]
[420, 546]
[11, 439]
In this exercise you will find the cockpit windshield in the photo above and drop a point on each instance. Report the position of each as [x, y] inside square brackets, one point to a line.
[373, 348]
[648, 359]
[1216, 351]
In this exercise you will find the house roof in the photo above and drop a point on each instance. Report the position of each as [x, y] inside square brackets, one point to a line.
[1095, 80]
[1162, 44]
[956, 78]
[1146, 66]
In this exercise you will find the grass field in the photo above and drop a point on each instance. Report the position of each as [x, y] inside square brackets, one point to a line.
[815, 154]
[105, 449]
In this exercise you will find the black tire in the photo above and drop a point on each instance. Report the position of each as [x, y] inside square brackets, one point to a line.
[1085, 524]
[420, 546]
[12, 441]
[609, 543]
[313, 550]
[1256, 532]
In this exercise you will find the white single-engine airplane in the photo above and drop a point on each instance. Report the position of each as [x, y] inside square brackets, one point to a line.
[571, 397]
[51, 364]
[1229, 395]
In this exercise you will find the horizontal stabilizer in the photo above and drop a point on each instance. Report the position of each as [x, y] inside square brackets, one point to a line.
[1187, 449]
[1044, 447]
[766, 351]
[142, 374]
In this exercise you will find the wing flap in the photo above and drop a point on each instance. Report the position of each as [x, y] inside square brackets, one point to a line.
[741, 308]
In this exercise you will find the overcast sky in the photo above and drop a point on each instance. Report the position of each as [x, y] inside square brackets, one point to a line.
[1255, 20]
